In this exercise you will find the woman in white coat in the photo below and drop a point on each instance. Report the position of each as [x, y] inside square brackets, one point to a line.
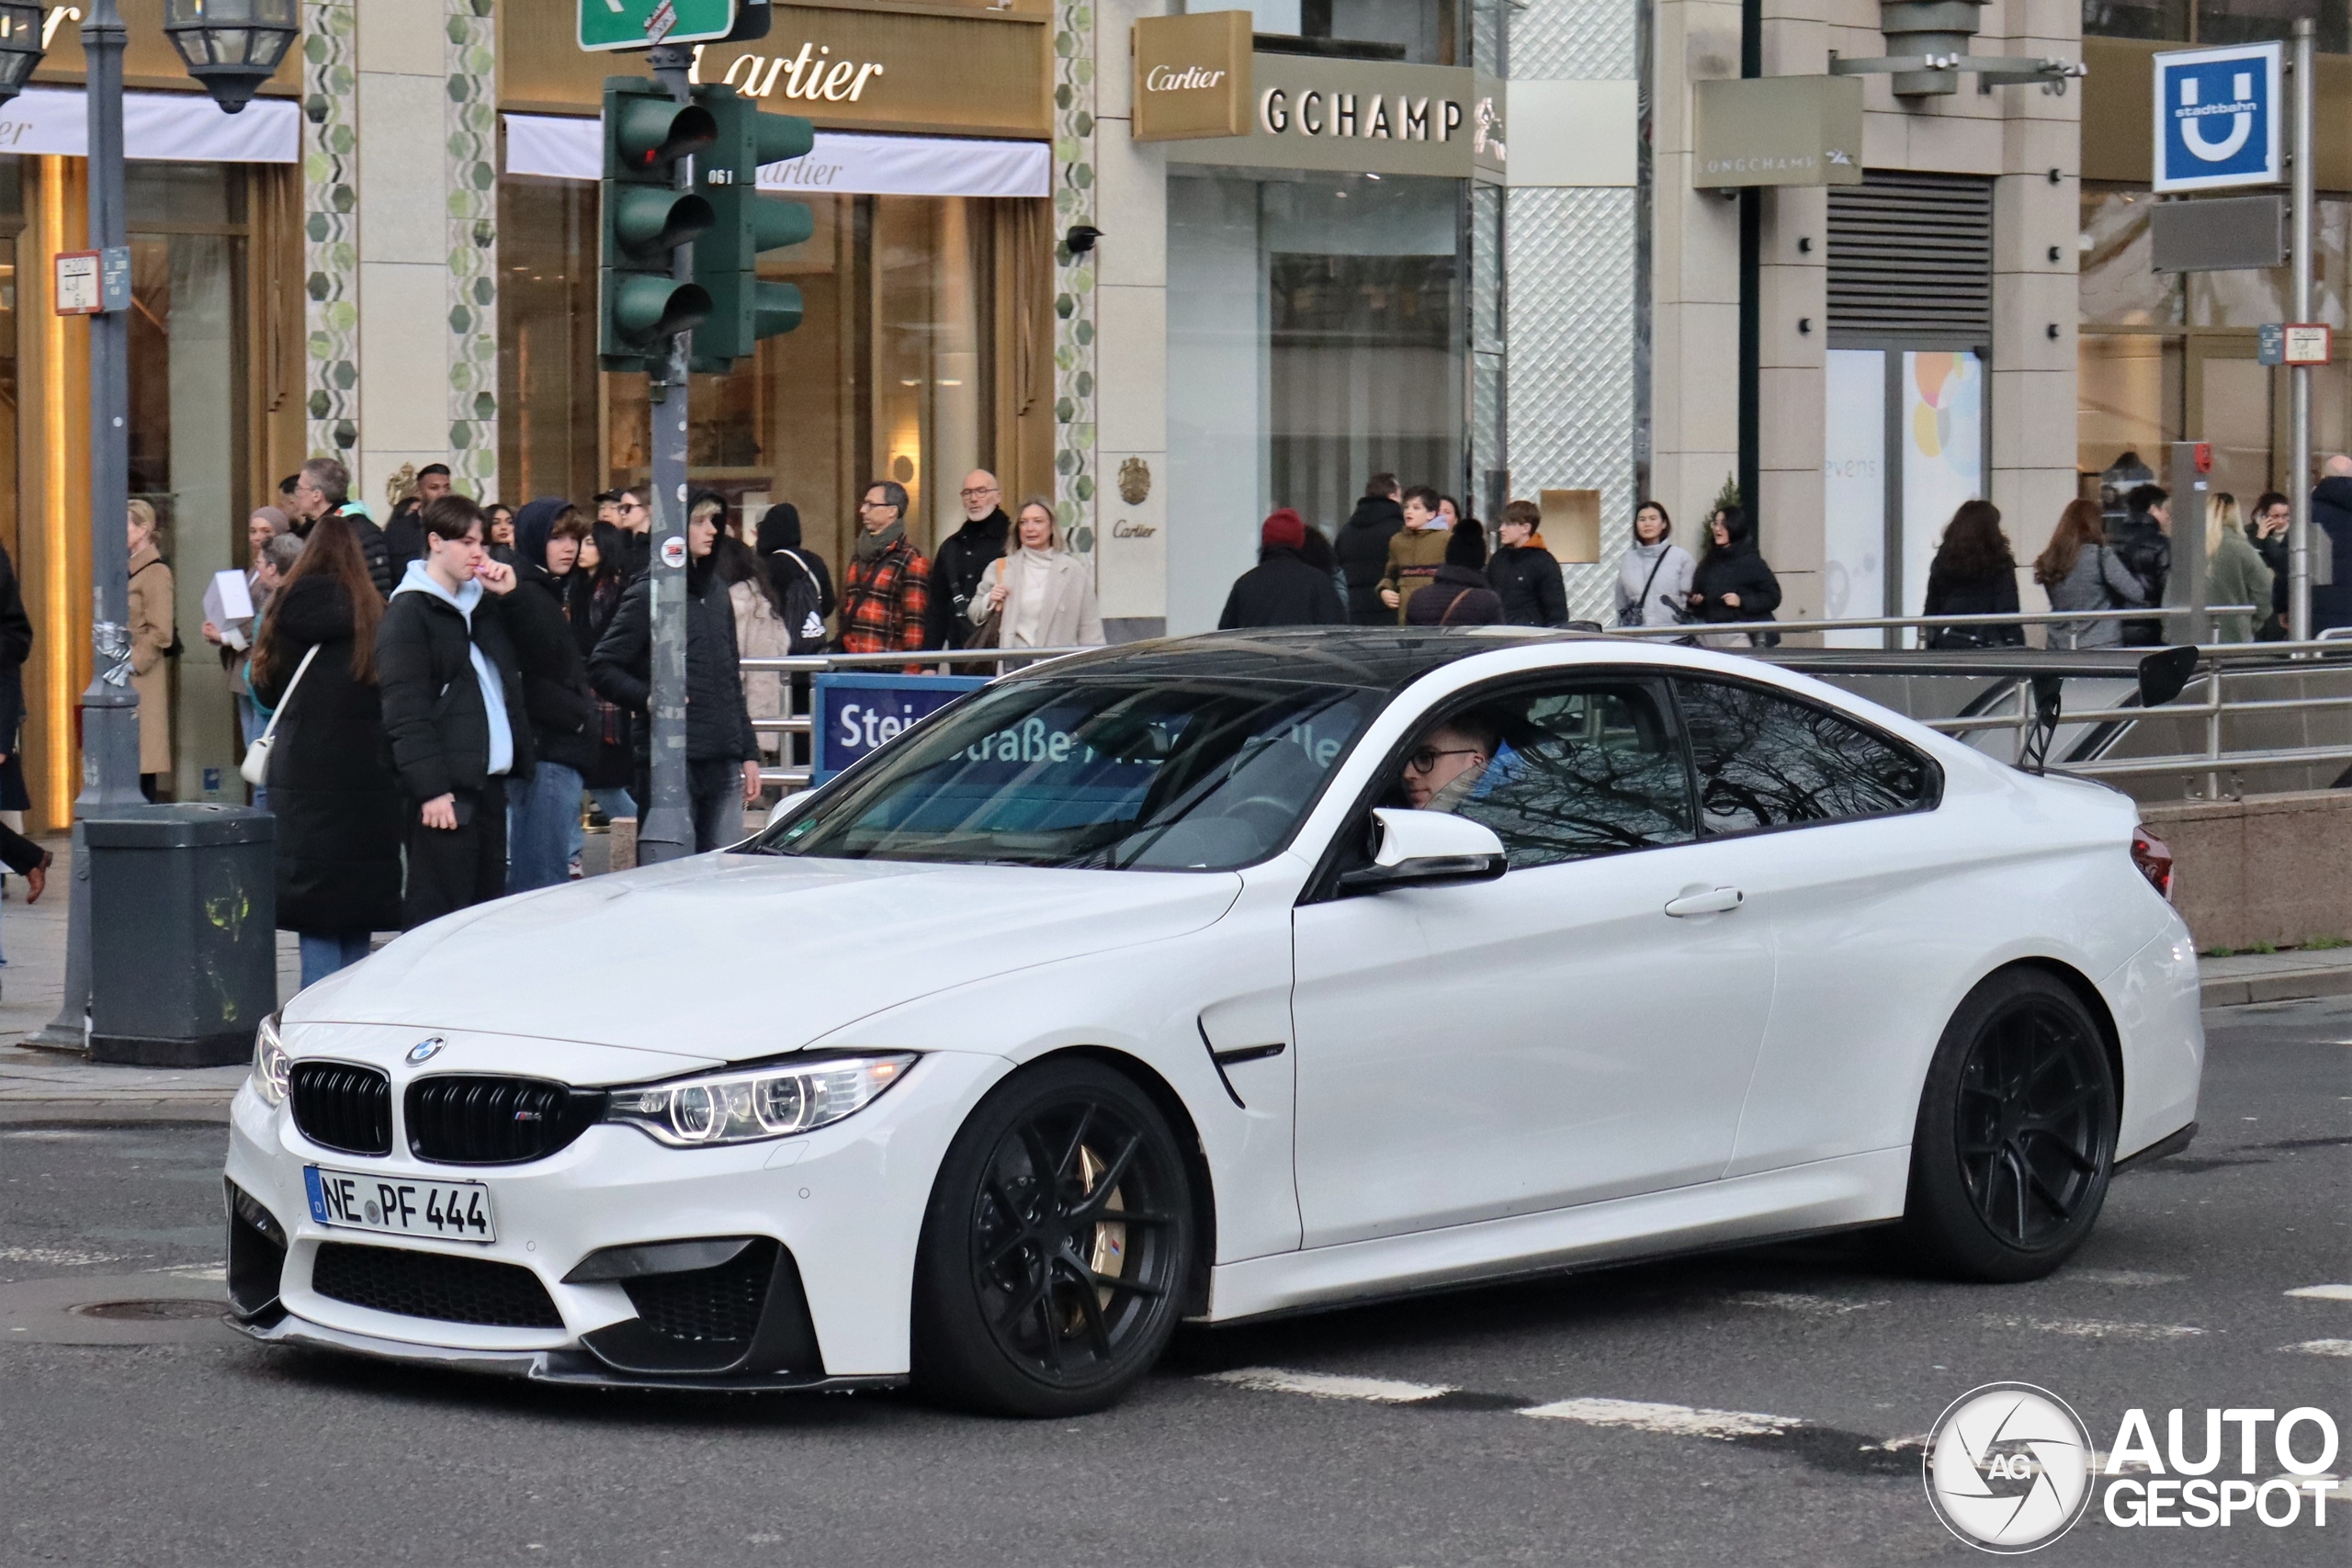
[1040, 595]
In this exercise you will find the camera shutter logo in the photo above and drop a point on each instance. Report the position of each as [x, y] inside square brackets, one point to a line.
[2009, 1468]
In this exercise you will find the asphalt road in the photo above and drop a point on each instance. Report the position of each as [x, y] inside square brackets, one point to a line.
[1440, 1431]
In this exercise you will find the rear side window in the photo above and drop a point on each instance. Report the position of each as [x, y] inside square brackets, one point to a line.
[1766, 761]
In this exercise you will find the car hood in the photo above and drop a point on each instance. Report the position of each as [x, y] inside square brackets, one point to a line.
[739, 956]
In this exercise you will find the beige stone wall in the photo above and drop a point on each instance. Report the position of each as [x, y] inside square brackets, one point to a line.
[2274, 868]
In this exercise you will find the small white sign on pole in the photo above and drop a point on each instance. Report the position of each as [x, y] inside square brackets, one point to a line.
[2305, 343]
[78, 292]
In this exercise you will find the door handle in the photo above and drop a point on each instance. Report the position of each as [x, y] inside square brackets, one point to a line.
[1706, 901]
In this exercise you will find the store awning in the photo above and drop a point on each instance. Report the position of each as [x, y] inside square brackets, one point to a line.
[183, 126]
[847, 162]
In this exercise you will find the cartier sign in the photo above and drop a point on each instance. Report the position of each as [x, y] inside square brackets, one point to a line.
[1192, 75]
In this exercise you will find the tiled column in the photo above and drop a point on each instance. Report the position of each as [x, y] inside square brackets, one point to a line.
[1075, 465]
[331, 225]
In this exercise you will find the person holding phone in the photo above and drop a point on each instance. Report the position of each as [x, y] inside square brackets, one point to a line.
[450, 659]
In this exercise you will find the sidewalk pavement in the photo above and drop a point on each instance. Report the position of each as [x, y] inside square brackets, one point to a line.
[39, 1085]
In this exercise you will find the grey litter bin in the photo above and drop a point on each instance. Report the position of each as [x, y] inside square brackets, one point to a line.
[183, 933]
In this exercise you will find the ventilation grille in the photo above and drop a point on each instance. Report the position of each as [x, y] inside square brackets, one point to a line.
[427, 1284]
[465, 1119]
[340, 1107]
[1911, 258]
[719, 1305]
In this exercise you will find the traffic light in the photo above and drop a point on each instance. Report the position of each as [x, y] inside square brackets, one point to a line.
[641, 303]
[726, 261]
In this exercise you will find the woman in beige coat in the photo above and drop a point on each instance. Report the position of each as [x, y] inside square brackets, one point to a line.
[1041, 595]
[150, 639]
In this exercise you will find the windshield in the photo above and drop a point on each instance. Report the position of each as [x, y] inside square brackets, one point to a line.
[1106, 774]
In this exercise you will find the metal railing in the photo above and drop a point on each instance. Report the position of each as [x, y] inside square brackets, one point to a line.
[2217, 699]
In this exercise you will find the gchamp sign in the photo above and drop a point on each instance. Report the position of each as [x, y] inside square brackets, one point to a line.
[2217, 113]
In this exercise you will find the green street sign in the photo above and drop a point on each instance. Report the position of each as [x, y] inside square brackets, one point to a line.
[641, 23]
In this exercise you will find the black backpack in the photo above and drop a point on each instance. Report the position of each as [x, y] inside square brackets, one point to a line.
[803, 606]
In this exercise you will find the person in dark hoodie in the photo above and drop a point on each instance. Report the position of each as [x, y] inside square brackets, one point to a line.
[1458, 595]
[722, 751]
[2143, 541]
[961, 560]
[1524, 574]
[450, 658]
[778, 541]
[1731, 582]
[562, 710]
[337, 803]
[592, 597]
[1286, 588]
[2332, 516]
[1362, 549]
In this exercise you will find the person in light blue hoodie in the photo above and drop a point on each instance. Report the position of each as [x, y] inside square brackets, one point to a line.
[450, 657]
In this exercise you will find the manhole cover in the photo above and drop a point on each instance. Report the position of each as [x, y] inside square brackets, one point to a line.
[177, 1310]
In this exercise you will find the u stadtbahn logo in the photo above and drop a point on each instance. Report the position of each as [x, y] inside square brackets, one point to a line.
[2009, 1467]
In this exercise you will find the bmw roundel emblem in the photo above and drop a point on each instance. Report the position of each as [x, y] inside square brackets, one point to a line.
[424, 1050]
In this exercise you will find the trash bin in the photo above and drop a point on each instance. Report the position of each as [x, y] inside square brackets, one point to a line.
[183, 933]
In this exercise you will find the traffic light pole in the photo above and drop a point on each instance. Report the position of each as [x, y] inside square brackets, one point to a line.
[666, 832]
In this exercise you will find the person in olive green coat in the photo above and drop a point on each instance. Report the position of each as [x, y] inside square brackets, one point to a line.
[1416, 551]
[2235, 572]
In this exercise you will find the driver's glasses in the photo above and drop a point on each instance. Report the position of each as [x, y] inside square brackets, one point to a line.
[1423, 761]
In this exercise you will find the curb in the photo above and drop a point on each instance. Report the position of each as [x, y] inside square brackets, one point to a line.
[2294, 985]
[63, 1111]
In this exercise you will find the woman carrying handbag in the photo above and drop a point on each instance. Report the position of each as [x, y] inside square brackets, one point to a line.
[338, 807]
[1038, 594]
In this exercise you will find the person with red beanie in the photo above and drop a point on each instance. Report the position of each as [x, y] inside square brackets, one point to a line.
[1286, 588]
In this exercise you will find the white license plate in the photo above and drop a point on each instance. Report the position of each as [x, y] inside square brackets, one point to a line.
[452, 1211]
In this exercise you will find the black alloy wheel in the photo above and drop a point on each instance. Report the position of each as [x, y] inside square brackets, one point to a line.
[1054, 1249]
[2016, 1140]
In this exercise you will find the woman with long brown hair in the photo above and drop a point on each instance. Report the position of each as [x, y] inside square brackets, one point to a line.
[1975, 573]
[2080, 570]
[337, 805]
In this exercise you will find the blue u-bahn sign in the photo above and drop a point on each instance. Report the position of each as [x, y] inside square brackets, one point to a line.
[2217, 117]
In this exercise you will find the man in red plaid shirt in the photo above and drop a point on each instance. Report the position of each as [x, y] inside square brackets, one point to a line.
[887, 587]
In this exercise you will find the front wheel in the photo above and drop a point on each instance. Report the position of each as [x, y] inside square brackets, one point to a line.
[2015, 1136]
[1054, 1249]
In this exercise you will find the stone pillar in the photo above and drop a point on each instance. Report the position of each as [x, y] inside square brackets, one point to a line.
[1131, 344]
[402, 241]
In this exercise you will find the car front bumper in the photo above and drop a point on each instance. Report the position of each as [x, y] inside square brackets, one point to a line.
[845, 1204]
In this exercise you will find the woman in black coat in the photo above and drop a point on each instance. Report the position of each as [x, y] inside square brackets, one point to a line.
[1288, 587]
[337, 805]
[1973, 574]
[1733, 583]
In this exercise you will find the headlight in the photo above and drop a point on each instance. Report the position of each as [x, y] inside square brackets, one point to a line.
[270, 1062]
[760, 1102]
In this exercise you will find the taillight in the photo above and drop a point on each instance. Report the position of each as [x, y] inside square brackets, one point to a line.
[2154, 857]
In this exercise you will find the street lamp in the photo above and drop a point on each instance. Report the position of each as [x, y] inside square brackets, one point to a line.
[232, 46]
[20, 45]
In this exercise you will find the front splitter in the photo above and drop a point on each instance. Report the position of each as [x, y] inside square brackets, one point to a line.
[575, 1368]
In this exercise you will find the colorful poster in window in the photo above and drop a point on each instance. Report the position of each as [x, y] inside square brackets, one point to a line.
[1943, 455]
[1853, 493]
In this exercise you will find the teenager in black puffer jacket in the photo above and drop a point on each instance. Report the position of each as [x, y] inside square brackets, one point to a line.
[1732, 583]
[722, 749]
[565, 718]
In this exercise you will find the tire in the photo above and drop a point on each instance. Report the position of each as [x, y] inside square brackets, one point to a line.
[1049, 1298]
[2016, 1138]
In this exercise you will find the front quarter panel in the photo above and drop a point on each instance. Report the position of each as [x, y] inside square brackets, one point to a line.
[1161, 1005]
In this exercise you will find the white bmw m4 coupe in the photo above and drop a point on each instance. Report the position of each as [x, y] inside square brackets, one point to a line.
[1238, 974]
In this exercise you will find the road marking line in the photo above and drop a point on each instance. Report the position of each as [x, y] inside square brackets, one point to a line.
[2322, 1346]
[2323, 1292]
[1329, 1385]
[2088, 1328]
[2119, 1276]
[1680, 1420]
[1802, 1305]
[54, 1256]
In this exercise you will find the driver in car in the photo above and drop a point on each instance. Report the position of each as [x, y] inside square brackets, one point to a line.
[1445, 768]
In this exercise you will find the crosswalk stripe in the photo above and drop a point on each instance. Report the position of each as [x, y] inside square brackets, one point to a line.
[1677, 1420]
[2322, 1346]
[1329, 1385]
[2323, 1292]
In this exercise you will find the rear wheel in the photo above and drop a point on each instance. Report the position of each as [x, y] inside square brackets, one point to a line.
[2015, 1136]
[1054, 1249]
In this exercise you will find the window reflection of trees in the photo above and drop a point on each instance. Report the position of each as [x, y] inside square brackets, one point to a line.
[1584, 773]
[1764, 762]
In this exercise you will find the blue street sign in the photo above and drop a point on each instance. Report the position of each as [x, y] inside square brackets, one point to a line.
[2217, 117]
[2270, 343]
[855, 713]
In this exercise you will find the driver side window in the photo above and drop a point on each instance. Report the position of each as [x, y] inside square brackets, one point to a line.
[1585, 768]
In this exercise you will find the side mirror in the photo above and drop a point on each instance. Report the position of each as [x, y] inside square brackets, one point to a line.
[1424, 848]
[785, 807]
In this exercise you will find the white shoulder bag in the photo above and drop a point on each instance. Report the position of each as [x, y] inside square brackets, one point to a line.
[255, 767]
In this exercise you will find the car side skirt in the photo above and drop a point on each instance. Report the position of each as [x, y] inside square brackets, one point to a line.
[1830, 1194]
